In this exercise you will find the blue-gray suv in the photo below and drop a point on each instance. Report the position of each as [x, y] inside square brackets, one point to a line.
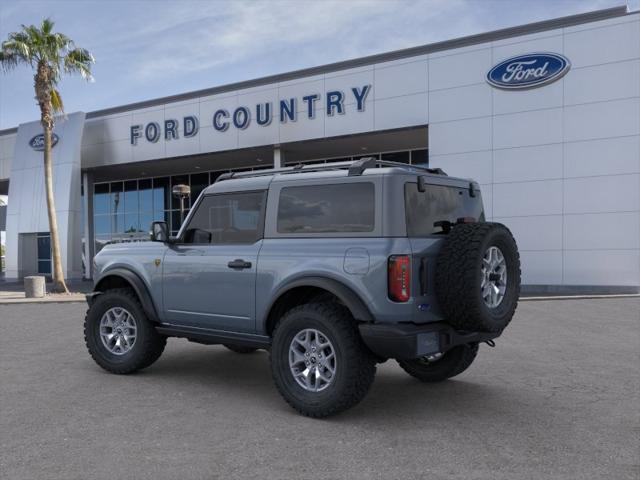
[331, 268]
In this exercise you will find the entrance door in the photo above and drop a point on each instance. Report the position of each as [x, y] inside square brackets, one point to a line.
[44, 253]
[210, 274]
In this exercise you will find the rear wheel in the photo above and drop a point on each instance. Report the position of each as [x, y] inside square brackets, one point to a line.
[240, 349]
[318, 360]
[434, 369]
[119, 336]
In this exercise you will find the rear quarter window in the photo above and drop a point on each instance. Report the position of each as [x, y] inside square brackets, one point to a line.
[339, 208]
[435, 204]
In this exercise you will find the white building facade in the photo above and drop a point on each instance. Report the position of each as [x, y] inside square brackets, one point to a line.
[545, 116]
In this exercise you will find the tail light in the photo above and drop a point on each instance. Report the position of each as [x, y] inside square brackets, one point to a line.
[399, 278]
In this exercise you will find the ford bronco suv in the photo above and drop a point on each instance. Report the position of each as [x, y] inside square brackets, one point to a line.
[331, 268]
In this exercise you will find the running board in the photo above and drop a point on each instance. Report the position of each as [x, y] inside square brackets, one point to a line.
[214, 337]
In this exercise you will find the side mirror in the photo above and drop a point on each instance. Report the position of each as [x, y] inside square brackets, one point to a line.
[159, 232]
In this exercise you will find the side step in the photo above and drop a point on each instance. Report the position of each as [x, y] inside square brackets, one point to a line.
[214, 337]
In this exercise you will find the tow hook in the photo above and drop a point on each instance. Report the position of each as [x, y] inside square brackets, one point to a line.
[491, 343]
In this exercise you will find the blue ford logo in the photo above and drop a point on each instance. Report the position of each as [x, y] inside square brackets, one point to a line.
[528, 71]
[37, 142]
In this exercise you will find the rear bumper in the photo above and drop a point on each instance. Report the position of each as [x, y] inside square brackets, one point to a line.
[406, 340]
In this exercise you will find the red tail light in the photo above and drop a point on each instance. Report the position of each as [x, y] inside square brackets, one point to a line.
[399, 278]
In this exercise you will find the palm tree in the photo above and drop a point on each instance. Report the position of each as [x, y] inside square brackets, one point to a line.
[50, 55]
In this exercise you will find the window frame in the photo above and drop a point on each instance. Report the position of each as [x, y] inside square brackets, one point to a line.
[179, 239]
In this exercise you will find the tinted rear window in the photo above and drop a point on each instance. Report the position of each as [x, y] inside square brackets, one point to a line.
[340, 208]
[437, 203]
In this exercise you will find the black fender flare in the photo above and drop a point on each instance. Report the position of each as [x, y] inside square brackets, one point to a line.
[344, 293]
[136, 283]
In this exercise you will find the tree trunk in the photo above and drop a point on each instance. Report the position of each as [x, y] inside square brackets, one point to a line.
[59, 284]
[43, 94]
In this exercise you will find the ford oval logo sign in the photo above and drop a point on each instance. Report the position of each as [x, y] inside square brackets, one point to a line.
[37, 142]
[528, 71]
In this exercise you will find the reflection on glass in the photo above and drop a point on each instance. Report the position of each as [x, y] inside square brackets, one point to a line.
[179, 180]
[420, 157]
[102, 224]
[131, 196]
[44, 247]
[101, 199]
[145, 222]
[161, 194]
[131, 222]
[44, 266]
[117, 223]
[199, 182]
[145, 195]
[401, 157]
[161, 216]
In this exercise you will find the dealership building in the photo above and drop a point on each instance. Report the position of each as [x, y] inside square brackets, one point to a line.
[544, 116]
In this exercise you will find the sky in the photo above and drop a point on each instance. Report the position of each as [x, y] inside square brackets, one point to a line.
[147, 49]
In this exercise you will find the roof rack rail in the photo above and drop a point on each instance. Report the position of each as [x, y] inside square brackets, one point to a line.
[354, 168]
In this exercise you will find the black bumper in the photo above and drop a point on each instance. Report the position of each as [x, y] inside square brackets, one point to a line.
[407, 340]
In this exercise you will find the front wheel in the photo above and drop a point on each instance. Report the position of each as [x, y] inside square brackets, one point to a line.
[318, 361]
[452, 363]
[118, 334]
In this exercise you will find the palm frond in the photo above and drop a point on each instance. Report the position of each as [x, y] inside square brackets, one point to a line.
[79, 60]
[8, 60]
[47, 26]
[56, 101]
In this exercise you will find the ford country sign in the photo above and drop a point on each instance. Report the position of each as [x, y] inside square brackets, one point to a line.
[37, 142]
[528, 71]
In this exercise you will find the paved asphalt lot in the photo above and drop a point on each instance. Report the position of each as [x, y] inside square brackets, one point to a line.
[557, 398]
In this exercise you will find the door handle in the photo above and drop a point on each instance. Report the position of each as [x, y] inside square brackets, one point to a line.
[239, 264]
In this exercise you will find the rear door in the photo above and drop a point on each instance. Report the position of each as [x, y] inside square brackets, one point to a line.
[423, 212]
[210, 274]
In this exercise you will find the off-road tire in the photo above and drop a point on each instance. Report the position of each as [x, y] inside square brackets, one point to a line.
[148, 346]
[453, 363]
[356, 366]
[458, 277]
[239, 348]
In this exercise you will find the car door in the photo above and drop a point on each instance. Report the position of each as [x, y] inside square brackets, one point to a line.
[210, 273]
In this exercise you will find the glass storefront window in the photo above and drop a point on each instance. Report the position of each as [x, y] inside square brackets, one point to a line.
[131, 203]
[117, 199]
[102, 224]
[161, 194]
[179, 180]
[145, 195]
[400, 157]
[101, 199]
[131, 224]
[146, 219]
[420, 157]
[199, 182]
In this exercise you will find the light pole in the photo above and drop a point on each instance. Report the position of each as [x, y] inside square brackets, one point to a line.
[182, 192]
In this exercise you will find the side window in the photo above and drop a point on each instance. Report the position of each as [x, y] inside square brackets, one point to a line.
[339, 208]
[227, 218]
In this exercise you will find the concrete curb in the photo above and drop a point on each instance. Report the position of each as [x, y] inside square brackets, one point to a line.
[578, 297]
[72, 298]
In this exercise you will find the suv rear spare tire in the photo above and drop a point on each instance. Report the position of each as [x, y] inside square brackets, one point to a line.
[478, 277]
